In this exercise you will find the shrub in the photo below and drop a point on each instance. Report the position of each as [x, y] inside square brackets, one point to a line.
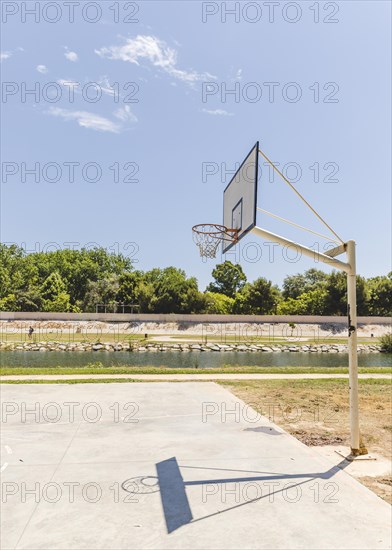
[386, 342]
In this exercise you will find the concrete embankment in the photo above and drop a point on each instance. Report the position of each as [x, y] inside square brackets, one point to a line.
[50, 326]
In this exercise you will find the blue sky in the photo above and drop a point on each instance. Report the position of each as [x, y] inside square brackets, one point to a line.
[329, 117]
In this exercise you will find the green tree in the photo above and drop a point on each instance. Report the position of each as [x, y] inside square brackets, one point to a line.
[258, 298]
[218, 303]
[16, 275]
[146, 297]
[229, 279]
[336, 299]
[60, 303]
[170, 291]
[129, 287]
[295, 285]
[29, 300]
[72, 280]
[78, 268]
[312, 302]
[195, 300]
[103, 291]
[52, 286]
[54, 295]
[8, 303]
[380, 295]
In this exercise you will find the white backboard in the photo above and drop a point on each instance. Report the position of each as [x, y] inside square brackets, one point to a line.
[240, 198]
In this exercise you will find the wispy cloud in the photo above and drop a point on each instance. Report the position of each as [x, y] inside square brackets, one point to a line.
[125, 115]
[217, 112]
[145, 48]
[105, 86]
[5, 55]
[42, 69]
[92, 121]
[71, 56]
[65, 82]
[102, 82]
[87, 120]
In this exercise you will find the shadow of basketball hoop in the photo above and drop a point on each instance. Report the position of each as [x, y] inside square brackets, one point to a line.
[172, 487]
[141, 485]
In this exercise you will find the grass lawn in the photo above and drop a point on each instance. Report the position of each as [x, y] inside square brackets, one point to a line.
[97, 368]
[317, 413]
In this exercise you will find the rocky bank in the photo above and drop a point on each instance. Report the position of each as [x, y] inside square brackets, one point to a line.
[166, 347]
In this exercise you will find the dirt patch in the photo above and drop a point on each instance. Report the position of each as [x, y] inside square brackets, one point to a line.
[312, 439]
[317, 413]
[382, 486]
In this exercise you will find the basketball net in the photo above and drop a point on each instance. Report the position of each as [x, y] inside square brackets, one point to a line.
[208, 236]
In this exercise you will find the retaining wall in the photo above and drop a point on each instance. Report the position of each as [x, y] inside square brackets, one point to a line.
[179, 318]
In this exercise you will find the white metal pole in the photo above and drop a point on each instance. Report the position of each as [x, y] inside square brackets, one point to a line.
[350, 269]
[352, 348]
[332, 262]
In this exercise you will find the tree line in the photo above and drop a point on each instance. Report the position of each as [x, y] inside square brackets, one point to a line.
[78, 280]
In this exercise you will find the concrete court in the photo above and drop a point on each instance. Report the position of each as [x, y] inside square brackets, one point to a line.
[157, 473]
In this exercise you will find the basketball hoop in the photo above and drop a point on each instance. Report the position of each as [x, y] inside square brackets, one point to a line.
[208, 236]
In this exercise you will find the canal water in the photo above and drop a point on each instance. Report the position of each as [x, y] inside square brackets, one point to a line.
[183, 360]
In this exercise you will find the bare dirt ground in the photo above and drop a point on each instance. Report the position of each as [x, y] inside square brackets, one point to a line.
[381, 485]
[316, 412]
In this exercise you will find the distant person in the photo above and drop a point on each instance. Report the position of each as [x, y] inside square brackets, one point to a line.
[31, 330]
